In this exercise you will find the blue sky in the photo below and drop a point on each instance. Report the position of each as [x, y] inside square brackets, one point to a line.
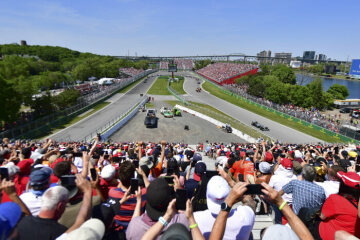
[187, 27]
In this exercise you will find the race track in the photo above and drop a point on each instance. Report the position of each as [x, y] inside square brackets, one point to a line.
[277, 130]
[120, 103]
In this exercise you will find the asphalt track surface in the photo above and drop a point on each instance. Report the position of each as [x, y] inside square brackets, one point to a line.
[277, 130]
[120, 105]
[172, 129]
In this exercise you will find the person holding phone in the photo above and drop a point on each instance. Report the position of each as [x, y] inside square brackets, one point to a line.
[219, 199]
[126, 174]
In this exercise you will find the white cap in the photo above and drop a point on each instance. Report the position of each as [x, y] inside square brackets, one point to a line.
[298, 154]
[92, 229]
[217, 191]
[108, 172]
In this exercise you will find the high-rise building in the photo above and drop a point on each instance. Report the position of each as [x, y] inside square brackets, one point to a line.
[309, 56]
[23, 43]
[264, 56]
[287, 57]
[322, 57]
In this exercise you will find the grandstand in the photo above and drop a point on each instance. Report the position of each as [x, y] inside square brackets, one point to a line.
[226, 73]
[131, 71]
[182, 64]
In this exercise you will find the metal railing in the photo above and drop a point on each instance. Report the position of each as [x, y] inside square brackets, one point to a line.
[43, 125]
[113, 122]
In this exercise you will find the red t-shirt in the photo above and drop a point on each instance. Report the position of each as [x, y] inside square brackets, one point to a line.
[340, 215]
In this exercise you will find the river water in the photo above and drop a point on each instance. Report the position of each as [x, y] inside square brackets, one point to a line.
[352, 85]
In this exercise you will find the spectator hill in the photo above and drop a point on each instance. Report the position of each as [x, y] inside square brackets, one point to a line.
[226, 73]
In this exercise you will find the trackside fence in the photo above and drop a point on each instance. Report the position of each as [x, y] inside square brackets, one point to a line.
[43, 126]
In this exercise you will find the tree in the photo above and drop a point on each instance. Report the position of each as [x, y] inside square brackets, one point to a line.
[10, 101]
[338, 91]
[300, 96]
[278, 92]
[66, 98]
[42, 105]
[284, 73]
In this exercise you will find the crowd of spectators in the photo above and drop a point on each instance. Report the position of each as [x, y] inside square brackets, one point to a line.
[221, 71]
[131, 71]
[182, 64]
[137, 190]
[311, 115]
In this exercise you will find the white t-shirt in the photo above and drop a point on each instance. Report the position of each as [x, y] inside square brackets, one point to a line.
[330, 187]
[281, 178]
[32, 201]
[239, 223]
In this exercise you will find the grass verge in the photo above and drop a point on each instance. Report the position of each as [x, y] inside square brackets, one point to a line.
[270, 115]
[160, 86]
[222, 117]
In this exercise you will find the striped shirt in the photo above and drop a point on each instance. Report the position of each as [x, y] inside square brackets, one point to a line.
[123, 217]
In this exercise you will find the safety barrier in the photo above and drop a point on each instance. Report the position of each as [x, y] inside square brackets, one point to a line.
[115, 124]
[338, 136]
[176, 94]
[43, 126]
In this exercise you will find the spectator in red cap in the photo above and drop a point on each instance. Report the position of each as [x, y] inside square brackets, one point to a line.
[268, 157]
[339, 211]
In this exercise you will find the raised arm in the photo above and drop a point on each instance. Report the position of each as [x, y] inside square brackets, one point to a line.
[296, 224]
[218, 229]
[9, 188]
[86, 205]
[86, 160]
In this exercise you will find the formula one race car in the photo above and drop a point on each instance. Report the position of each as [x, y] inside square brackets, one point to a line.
[166, 112]
[227, 128]
[176, 112]
[258, 125]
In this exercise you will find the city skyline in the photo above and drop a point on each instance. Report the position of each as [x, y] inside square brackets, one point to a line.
[160, 28]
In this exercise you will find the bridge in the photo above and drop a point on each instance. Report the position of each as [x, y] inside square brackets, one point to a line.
[230, 57]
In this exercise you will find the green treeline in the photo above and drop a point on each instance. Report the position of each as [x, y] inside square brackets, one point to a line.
[28, 70]
[278, 84]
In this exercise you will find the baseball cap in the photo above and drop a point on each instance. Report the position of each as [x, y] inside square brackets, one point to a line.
[279, 231]
[176, 231]
[157, 198]
[106, 211]
[286, 163]
[196, 157]
[200, 169]
[298, 154]
[264, 167]
[148, 161]
[217, 191]
[10, 214]
[353, 154]
[350, 179]
[108, 172]
[40, 176]
[268, 157]
[91, 229]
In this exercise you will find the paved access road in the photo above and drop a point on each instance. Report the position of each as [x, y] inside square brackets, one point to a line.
[277, 130]
[118, 106]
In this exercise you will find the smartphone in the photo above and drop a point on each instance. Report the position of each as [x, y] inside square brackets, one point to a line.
[210, 174]
[93, 174]
[254, 189]
[241, 177]
[134, 184]
[336, 150]
[180, 195]
[68, 180]
[257, 165]
[169, 180]
[4, 173]
[77, 154]
[136, 163]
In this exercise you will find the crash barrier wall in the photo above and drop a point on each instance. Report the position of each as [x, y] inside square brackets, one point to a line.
[43, 126]
[176, 94]
[217, 123]
[340, 137]
[115, 124]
